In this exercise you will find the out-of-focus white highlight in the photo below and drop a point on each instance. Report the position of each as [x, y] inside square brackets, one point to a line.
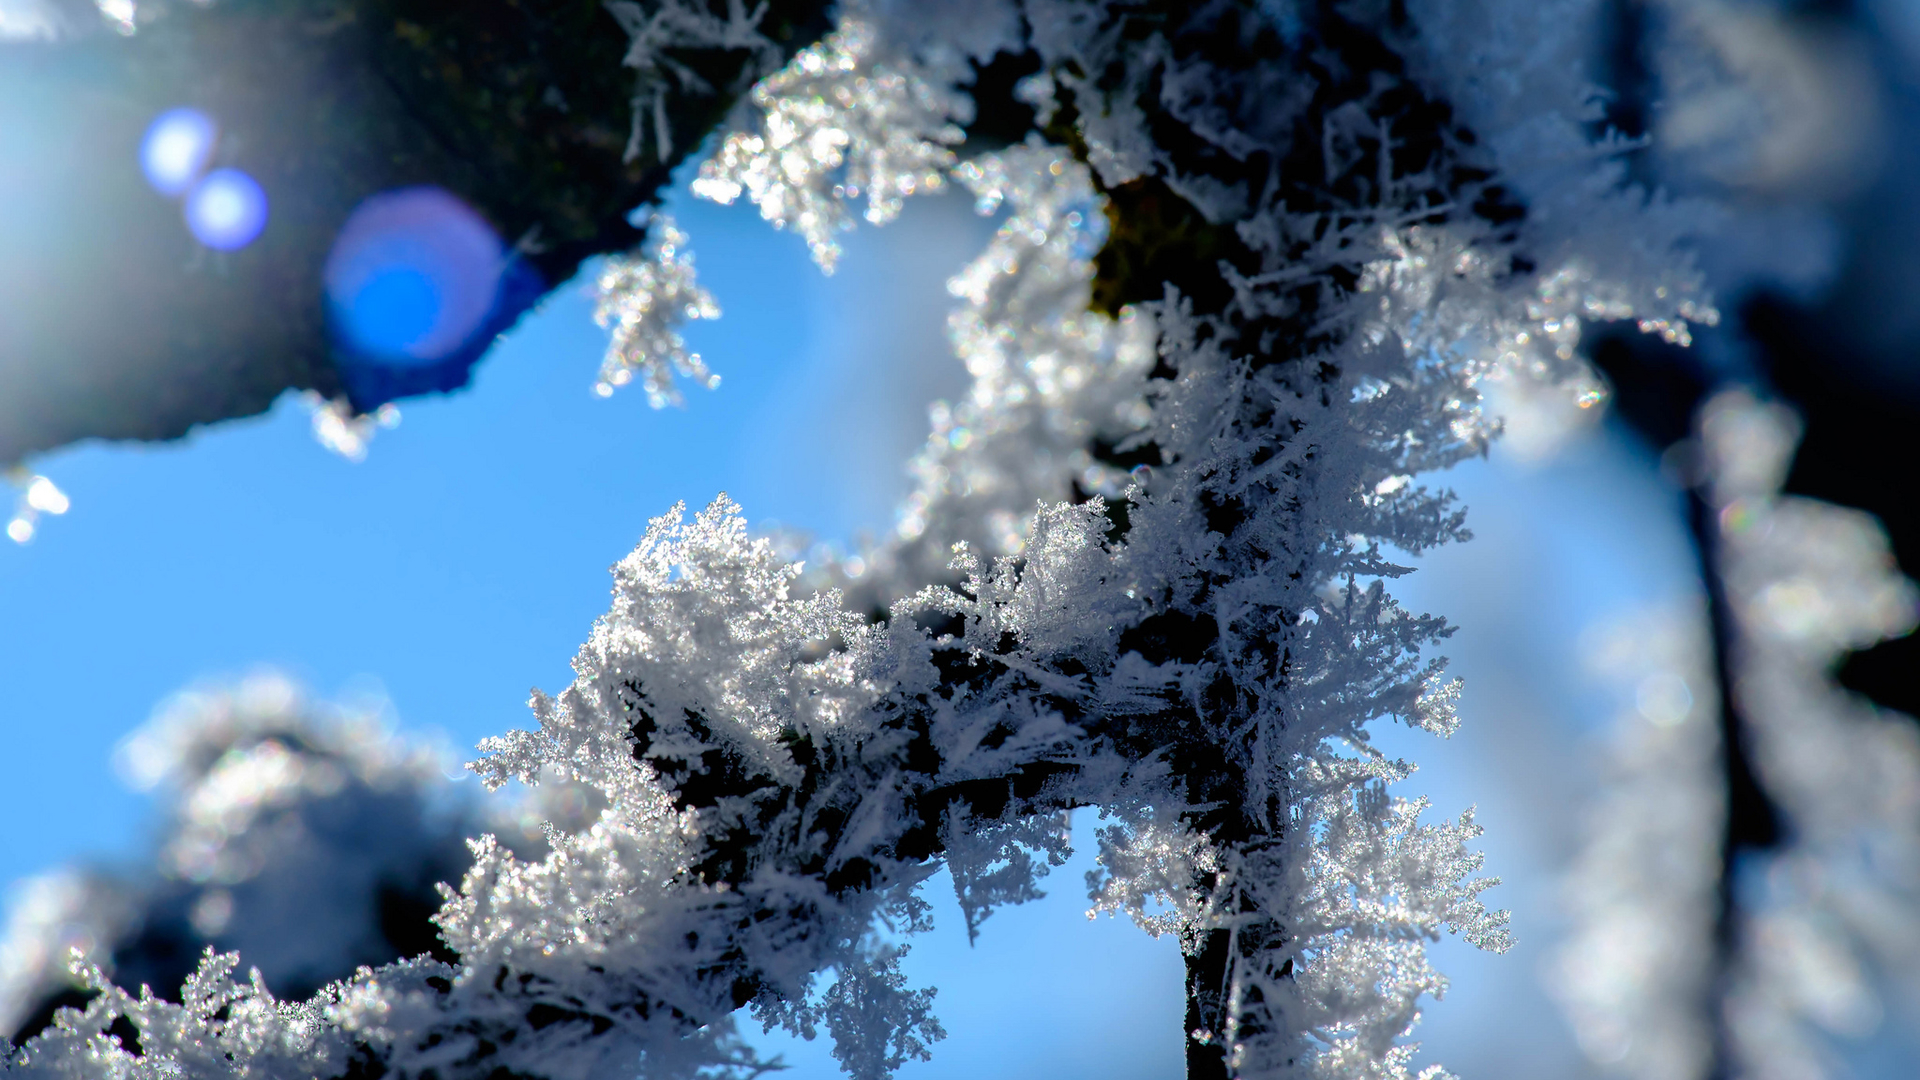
[341, 430]
[43, 496]
[176, 148]
[38, 495]
[122, 15]
[1664, 698]
[27, 20]
[227, 211]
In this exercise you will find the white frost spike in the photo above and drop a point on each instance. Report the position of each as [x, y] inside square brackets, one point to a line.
[838, 124]
[644, 301]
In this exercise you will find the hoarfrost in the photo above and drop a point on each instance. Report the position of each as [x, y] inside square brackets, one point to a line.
[655, 34]
[839, 123]
[644, 300]
[1197, 646]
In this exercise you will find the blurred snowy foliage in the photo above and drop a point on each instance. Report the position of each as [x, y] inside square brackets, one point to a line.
[1824, 924]
[1637, 970]
[1260, 266]
[1049, 377]
[1836, 910]
[306, 836]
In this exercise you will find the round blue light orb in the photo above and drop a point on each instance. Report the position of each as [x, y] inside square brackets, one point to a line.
[227, 210]
[176, 148]
[413, 276]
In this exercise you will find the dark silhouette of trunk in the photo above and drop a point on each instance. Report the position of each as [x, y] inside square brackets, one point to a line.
[1753, 822]
[1207, 960]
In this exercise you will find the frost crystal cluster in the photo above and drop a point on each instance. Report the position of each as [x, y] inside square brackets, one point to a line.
[1255, 265]
[838, 123]
[1049, 376]
[644, 301]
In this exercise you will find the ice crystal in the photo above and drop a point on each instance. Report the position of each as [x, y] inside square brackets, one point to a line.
[1608, 250]
[838, 123]
[644, 300]
[1049, 376]
[655, 33]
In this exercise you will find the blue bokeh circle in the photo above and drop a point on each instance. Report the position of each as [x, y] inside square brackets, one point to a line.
[413, 277]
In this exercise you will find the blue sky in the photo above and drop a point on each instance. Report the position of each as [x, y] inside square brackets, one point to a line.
[464, 561]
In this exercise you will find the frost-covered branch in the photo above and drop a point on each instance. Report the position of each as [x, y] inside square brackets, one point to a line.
[1254, 273]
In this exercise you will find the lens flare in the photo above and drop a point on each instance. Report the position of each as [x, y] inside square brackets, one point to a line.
[176, 148]
[122, 14]
[413, 276]
[227, 210]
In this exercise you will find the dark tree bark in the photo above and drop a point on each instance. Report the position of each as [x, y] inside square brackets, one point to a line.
[115, 324]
